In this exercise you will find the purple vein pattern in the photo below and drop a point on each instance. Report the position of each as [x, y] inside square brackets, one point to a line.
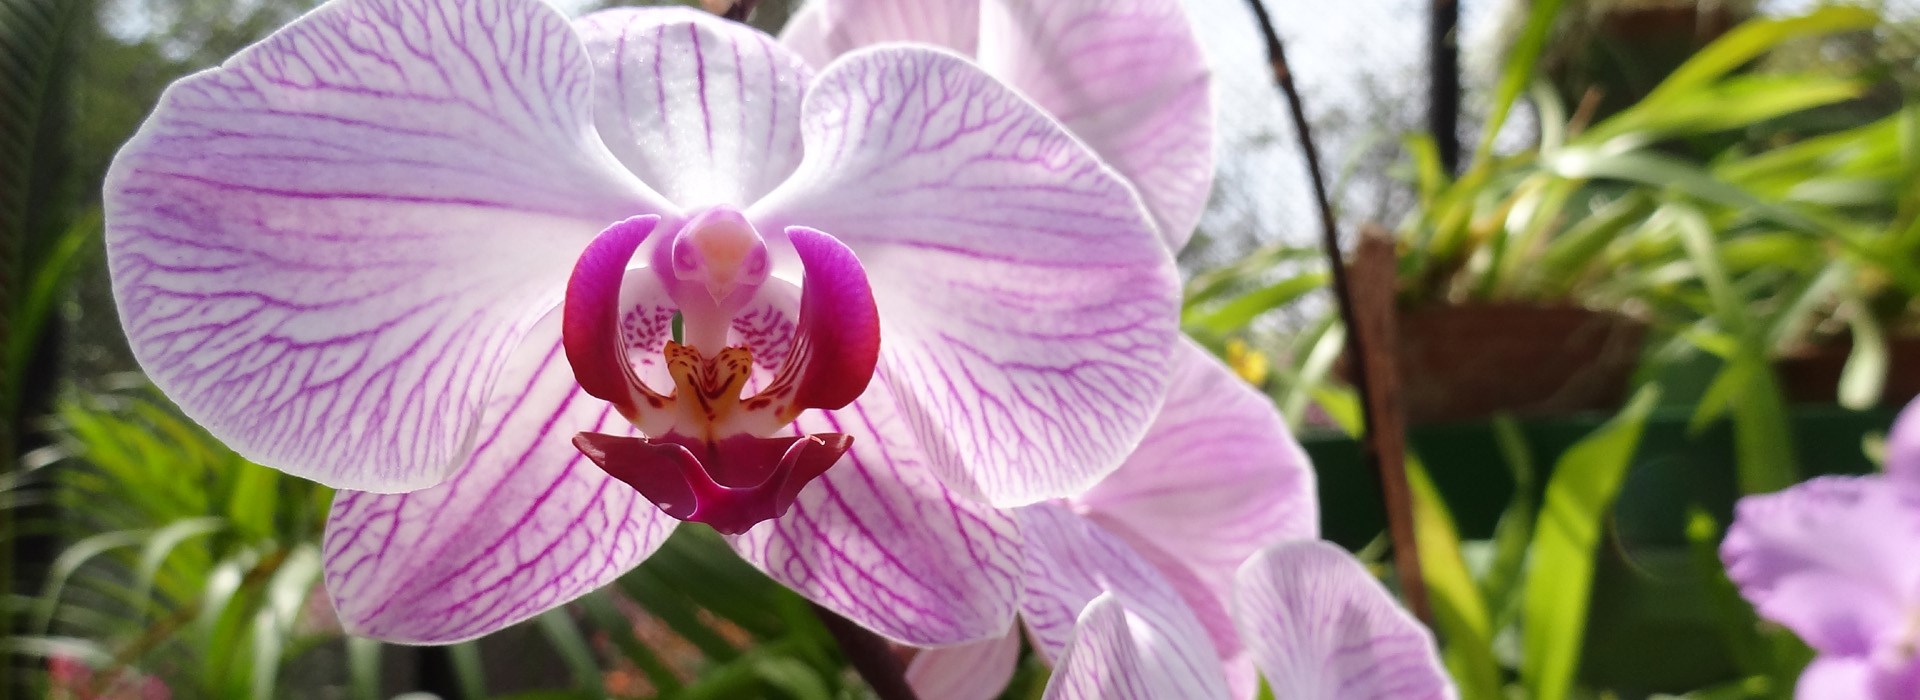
[325, 249]
[1071, 562]
[525, 525]
[1027, 307]
[879, 540]
[1115, 654]
[1322, 628]
[1125, 76]
[707, 112]
[1218, 477]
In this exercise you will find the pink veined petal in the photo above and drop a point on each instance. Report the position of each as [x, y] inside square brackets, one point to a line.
[1125, 76]
[1831, 559]
[1218, 477]
[1027, 304]
[880, 541]
[528, 524]
[703, 109]
[1903, 445]
[1070, 562]
[824, 29]
[326, 249]
[976, 671]
[1116, 654]
[595, 337]
[1209, 604]
[1322, 628]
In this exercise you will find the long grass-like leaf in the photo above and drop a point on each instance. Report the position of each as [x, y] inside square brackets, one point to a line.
[1560, 569]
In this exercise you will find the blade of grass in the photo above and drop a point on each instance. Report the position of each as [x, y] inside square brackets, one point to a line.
[574, 649]
[1560, 572]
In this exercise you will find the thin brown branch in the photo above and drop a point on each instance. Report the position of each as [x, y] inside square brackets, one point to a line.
[1378, 442]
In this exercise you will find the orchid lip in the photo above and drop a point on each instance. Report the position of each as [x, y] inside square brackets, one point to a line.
[731, 485]
[709, 455]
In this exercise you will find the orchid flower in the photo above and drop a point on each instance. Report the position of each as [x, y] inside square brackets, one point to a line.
[1217, 477]
[435, 254]
[1162, 581]
[1837, 560]
[1317, 624]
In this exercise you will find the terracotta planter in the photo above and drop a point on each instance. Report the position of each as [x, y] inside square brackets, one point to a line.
[1812, 374]
[1469, 362]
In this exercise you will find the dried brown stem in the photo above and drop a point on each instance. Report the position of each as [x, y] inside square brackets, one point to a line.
[1383, 436]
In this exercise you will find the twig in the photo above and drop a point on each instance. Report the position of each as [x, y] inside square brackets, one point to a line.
[870, 655]
[1393, 475]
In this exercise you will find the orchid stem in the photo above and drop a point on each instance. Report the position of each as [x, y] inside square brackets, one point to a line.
[1379, 439]
[870, 655]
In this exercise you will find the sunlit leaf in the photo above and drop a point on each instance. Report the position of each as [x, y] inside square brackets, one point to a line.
[1560, 568]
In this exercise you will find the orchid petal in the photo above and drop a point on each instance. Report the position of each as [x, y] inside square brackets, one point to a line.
[1070, 562]
[325, 250]
[1857, 678]
[880, 541]
[838, 332]
[824, 29]
[704, 109]
[1027, 305]
[1831, 559]
[1217, 477]
[597, 342]
[1837, 678]
[1116, 654]
[1125, 76]
[528, 524]
[977, 671]
[1322, 628]
[1903, 445]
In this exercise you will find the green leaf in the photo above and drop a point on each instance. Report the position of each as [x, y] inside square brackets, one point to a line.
[1865, 374]
[1751, 39]
[573, 648]
[363, 667]
[1735, 103]
[468, 670]
[1514, 532]
[1560, 570]
[1236, 313]
[1522, 61]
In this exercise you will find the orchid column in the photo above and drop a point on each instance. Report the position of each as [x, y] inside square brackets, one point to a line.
[432, 253]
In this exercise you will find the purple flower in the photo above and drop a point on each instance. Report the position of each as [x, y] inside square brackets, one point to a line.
[431, 253]
[1837, 560]
[1153, 584]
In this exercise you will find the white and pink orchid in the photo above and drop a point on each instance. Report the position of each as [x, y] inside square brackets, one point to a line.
[1316, 623]
[1193, 570]
[432, 252]
[531, 292]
